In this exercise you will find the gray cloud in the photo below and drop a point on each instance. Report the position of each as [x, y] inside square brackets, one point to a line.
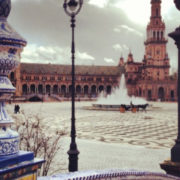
[131, 30]
[108, 60]
[53, 54]
[44, 24]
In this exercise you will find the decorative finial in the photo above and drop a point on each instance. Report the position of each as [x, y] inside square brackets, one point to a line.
[130, 52]
[155, 1]
[5, 8]
[121, 56]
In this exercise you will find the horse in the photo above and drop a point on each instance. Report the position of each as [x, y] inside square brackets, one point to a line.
[126, 107]
[142, 106]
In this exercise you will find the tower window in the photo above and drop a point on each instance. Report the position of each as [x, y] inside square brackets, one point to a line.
[157, 12]
[156, 22]
[158, 35]
[154, 34]
[161, 34]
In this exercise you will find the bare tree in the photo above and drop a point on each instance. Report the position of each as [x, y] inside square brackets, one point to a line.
[34, 137]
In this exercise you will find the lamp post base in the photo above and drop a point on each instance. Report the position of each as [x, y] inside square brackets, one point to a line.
[73, 160]
[171, 168]
[175, 152]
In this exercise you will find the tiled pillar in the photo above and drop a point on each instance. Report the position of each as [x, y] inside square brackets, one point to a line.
[14, 164]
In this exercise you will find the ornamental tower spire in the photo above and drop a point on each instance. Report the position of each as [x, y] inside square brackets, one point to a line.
[156, 9]
[156, 62]
[156, 27]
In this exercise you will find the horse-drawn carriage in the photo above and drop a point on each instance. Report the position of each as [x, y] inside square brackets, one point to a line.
[133, 108]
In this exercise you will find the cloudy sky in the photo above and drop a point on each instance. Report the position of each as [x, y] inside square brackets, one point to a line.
[105, 30]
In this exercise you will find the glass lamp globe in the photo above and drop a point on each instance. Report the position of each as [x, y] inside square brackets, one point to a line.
[72, 4]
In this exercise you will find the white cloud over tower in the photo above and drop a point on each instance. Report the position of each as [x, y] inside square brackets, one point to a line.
[104, 28]
[53, 54]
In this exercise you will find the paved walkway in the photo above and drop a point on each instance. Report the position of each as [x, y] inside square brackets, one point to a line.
[156, 128]
[99, 155]
[107, 139]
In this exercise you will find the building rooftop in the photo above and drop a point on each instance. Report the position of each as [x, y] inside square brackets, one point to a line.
[33, 68]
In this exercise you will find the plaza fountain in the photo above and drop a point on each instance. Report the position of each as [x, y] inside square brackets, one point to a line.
[119, 97]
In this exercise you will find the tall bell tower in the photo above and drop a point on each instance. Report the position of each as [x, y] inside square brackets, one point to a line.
[156, 61]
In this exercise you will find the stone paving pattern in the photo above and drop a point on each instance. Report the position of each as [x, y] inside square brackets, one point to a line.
[110, 139]
[156, 128]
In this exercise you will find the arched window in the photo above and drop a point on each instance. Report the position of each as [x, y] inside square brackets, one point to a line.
[154, 34]
[149, 94]
[161, 93]
[86, 89]
[63, 89]
[172, 95]
[48, 89]
[24, 89]
[78, 89]
[32, 88]
[40, 89]
[55, 89]
[109, 89]
[93, 90]
[101, 88]
[70, 89]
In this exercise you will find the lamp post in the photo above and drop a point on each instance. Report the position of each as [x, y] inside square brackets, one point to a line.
[173, 166]
[175, 151]
[72, 8]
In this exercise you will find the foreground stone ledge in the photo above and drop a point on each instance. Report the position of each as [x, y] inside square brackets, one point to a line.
[171, 168]
[111, 175]
[20, 166]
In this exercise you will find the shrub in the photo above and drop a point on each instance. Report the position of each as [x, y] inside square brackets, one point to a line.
[37, 138]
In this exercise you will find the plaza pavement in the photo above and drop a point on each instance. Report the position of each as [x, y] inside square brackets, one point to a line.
[99, 156]
[110, 139]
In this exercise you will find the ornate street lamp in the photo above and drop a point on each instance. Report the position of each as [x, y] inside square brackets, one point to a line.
[175, 151]
[173, 166]
[72, 8]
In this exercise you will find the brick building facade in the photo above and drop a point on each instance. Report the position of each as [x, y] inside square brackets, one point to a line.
[149, 79]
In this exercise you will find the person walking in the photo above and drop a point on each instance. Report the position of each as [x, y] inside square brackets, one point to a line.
[18, 109]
